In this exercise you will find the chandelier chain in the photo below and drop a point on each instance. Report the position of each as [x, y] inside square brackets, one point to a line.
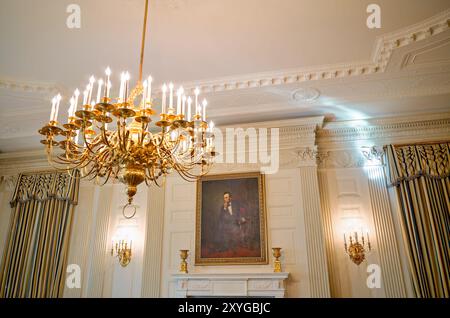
[144, 28]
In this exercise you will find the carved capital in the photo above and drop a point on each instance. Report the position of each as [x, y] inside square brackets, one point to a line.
[373, 155]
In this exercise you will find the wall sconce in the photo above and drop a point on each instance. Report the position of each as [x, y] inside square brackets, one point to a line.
[122, 251]
[357, 246]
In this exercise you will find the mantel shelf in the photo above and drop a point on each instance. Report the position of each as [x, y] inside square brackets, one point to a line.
[272, 275]
[266, 284]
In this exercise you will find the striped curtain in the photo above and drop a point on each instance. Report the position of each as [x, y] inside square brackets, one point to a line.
[34, 259]
[421, 174]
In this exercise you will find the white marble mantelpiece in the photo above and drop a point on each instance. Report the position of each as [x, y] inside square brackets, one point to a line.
[230, 284]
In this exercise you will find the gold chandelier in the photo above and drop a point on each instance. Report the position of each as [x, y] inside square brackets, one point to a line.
[130, 149]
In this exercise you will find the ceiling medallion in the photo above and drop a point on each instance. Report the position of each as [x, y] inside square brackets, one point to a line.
[112, 137]
[305, 94]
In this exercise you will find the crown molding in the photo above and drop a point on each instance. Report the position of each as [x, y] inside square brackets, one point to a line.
[29, 86]
[17, 162]
[381, 54]
[292, 132]
[313, 121]
[382, 131]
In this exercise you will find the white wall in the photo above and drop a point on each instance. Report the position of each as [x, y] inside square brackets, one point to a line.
[97, 218]
[349, 197]
[286, 228]
[304, 216]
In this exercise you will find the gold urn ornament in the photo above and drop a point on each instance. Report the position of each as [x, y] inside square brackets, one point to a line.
[277, 262]
[183, 264]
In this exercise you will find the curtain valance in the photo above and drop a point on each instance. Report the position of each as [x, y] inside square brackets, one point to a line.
[47, 185]
[410, 162]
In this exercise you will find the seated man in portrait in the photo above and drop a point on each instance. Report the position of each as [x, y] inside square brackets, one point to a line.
[232, 224]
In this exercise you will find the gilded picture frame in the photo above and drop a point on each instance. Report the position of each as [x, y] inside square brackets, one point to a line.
[231, 221]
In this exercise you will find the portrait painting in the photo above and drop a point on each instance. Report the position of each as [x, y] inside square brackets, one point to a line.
[231, 220]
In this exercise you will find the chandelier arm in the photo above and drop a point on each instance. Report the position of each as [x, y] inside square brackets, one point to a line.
[119, 135]
[92, 172]
[107, 177]
[51, 160]
[151, 174]
[69, 172]
[76, 166]
[143, 132]
[86, 142]
[105, 137]
[184, 176]
[51, 163]
[163, 134]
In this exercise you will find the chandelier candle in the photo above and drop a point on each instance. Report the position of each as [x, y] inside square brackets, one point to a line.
[196, 92]
[55, 113]
[164, 91]
[107, 81]
[189, 101]
[170, 98]
[122, 83]
[144, 93]
[99, 90]
[204, 103]
[183, 106]
[76, 94]
[91, 86]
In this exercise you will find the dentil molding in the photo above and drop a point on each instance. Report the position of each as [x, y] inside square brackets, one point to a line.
[383, 49]
[27, 86]
[384, 46]
[382, 131]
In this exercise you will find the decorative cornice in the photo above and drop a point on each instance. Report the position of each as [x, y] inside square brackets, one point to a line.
[348, 158]
[383, 131]
[28, 86]
[17, 162]
[386, 44]
[383, 49]
[373, 155]
[292, 132]
[302, 157]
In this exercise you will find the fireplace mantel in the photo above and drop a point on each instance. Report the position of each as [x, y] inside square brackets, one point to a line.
[230, 284]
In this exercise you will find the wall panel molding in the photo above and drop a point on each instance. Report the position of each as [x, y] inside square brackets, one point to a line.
[385, 233]
[333, 272]
[79, 239]
[153, 252]
[98, 241]
[317, 258]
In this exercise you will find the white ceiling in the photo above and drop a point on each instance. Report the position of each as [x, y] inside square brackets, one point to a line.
[249, 56]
